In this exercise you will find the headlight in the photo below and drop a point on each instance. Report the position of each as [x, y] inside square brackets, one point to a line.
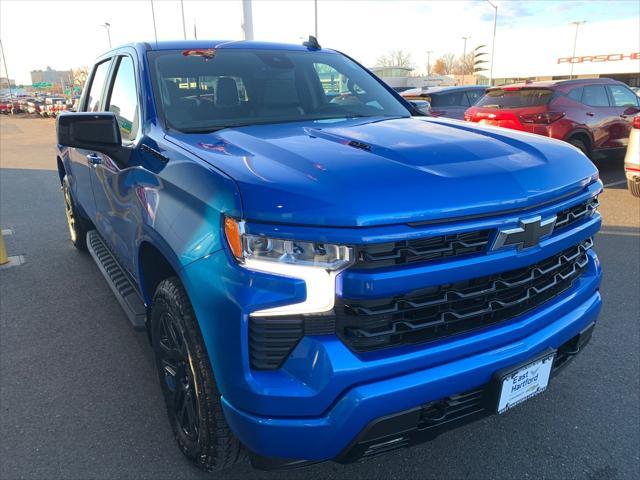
[315, 263]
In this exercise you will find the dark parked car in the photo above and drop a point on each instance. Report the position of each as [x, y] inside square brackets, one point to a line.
[450, 102]
[593, 115]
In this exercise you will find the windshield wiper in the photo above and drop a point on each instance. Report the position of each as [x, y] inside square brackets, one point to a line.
[212, 129]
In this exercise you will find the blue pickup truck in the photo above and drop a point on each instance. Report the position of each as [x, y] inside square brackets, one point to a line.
[323, 273]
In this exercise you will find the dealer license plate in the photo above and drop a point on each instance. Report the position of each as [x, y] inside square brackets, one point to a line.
[525, 382]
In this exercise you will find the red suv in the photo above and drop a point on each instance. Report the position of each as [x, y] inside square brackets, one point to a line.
[594, 115]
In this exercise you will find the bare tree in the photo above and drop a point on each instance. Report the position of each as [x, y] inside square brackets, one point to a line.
[395, 58]
[445, 64]
[464, 65]
[79, 76]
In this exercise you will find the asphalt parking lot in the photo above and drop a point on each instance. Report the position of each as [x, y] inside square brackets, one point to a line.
[79, 395]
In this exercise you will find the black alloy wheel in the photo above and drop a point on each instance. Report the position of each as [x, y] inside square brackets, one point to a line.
[192, 398]
[178, 377]
[78, 226]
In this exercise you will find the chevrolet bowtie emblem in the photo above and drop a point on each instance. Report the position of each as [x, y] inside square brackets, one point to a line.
[527, 235]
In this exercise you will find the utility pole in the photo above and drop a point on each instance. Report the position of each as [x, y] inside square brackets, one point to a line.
[575, 41]
[195, 32]
[464, 58]
[315, 8]
[247, 19]
[6, 71]
[153, 16]
[107, 26]
[184, 27]
[429, 52]
[493, 43]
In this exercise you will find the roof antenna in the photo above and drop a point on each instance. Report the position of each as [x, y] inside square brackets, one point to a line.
[312, 43]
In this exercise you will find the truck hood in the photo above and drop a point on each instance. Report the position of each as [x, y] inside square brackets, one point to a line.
[376, 171]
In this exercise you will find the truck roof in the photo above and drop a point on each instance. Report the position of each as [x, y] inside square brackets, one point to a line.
[218, 44]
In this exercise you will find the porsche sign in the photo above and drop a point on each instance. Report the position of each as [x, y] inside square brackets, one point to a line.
[612, 57]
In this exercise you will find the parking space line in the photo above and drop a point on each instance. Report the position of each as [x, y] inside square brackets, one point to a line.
[616, 232]
[613, 184]
[13, 261]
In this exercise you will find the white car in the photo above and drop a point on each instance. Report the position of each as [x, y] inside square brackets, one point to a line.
[632, 159]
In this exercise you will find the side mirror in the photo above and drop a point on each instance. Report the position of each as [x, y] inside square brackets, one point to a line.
[97, 131]
[631, 110]
[421, 105]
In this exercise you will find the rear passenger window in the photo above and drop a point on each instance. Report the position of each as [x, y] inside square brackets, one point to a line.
[123, 100]
[623, 97]
[453, 99]
[576, 94]
[474, 96]
[97, 84]
[595, 96]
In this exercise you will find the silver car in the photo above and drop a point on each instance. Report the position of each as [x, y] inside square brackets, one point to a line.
[632, 159]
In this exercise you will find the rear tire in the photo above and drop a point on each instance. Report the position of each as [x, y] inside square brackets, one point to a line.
[187, 382]
[78, 226]
[580, 145]
[634, 188]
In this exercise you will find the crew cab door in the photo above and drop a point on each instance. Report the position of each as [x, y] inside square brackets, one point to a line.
[114, 181]
[81, 159]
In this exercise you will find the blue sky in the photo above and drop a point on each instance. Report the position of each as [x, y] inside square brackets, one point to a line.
[363, 29]
[550, 12]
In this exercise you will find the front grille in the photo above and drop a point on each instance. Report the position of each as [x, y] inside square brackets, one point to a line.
[422, 316]
[421, 250]
[573, 214]
[441, 311]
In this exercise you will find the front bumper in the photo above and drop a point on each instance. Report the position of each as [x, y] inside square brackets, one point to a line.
[331, 435]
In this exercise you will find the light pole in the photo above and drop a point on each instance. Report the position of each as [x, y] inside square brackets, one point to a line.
[493, 42]
[315, 9]
[575, 41]
[6, 71]
[429, 52]
[184, 27]
[247, 19]
[153, 16]
[107, 26]
[464, 58]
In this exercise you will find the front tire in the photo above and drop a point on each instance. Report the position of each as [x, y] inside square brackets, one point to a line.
[188, 385]
[78, 226]
[634, 187]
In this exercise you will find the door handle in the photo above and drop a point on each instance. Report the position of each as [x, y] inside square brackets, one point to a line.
[93, 159]
[590, 114]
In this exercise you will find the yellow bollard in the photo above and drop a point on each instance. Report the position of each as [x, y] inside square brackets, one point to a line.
[3, 251]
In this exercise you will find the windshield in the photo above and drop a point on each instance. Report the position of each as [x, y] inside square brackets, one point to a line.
[524, 97]
[213, 89]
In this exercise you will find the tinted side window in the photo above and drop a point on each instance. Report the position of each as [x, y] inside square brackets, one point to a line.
[622, 96]
[595, 96]
[576, 94]
[474, 96]
[97, 84]
[453, 99]
[123, 100]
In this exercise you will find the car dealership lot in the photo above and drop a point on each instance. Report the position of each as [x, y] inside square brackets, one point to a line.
[79, 396]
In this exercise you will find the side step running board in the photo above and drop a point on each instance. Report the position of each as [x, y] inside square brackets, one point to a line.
[124, 290]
